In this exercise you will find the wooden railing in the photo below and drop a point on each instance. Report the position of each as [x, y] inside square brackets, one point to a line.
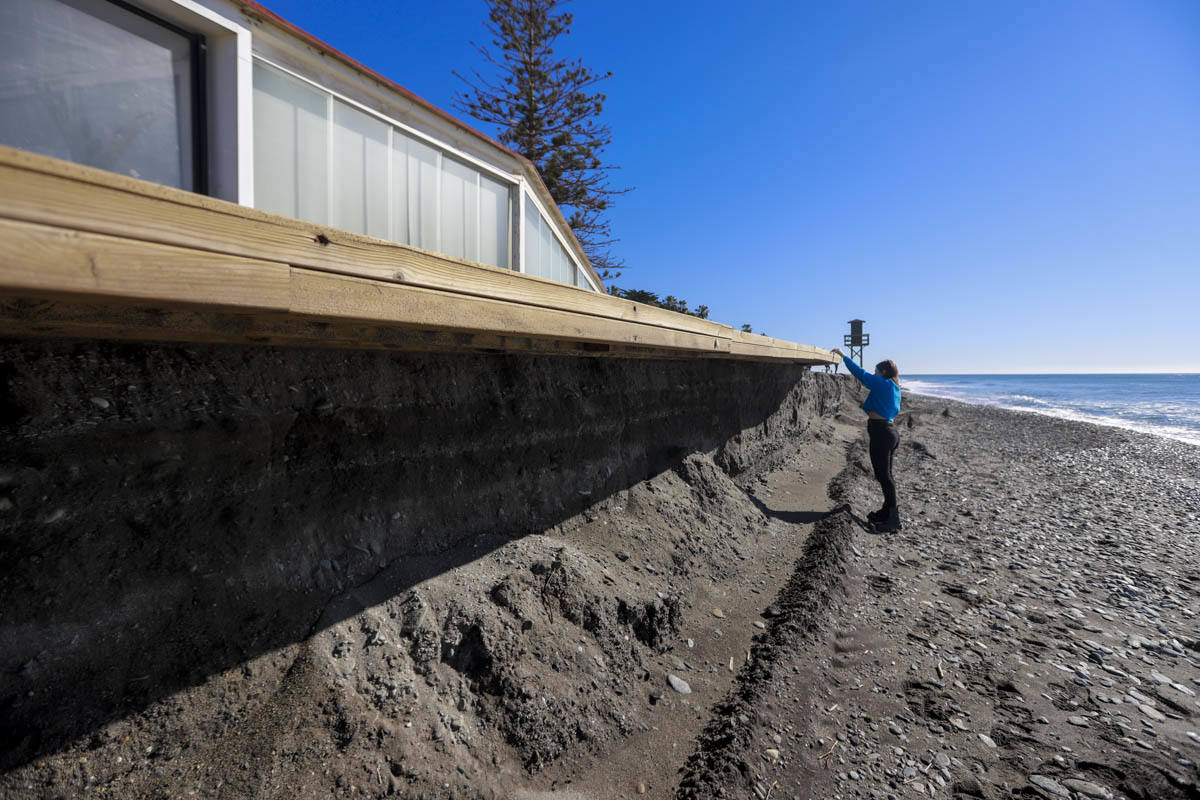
[89, 253]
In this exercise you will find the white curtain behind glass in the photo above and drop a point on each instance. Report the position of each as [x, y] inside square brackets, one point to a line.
[415, 188]
[493, 221]
[532, 238]
[404, 190]
[547, 249]
[291, 146]
[460, 210]
[360, 172]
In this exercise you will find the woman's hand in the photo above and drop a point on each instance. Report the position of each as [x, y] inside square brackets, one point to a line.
[837, 352]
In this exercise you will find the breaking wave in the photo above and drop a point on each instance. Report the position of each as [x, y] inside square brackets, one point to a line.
[1163, 405]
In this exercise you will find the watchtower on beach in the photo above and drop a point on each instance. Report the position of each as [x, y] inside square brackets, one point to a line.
[856, 340]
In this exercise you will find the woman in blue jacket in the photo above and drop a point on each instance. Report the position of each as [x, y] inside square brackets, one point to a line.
[882, 405]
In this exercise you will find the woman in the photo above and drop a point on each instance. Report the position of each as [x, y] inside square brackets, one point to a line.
[882, 405]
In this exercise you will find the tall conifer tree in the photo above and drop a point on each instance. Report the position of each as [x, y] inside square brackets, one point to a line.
[546, 108]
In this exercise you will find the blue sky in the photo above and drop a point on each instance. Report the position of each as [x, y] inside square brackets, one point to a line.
[996, 186]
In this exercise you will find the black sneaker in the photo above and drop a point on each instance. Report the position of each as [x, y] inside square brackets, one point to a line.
[889, 525]
[879, 515]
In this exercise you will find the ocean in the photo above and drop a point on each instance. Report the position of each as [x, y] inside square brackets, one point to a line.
[1165, 405]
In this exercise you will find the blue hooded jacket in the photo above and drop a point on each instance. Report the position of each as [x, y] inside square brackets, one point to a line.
[884, 398]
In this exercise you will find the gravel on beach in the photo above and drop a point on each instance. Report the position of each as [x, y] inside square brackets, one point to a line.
[1033, 631]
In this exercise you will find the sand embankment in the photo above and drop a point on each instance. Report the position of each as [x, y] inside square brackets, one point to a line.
[265, 572]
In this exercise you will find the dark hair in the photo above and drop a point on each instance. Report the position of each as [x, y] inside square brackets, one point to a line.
[889, 370]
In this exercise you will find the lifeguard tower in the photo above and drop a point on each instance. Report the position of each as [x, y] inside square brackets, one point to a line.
[856, 340]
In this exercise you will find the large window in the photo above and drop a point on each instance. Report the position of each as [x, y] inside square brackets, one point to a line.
[323, 160]
[104, 84]
[544, 255]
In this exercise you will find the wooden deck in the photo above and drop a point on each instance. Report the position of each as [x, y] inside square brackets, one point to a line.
[87, 253]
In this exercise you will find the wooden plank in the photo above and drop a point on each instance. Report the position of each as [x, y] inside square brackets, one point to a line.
[325, 295]
[83, 317]
[753, 344]
[39, 189]
[39, 258]
[69, 231]
[44, 262]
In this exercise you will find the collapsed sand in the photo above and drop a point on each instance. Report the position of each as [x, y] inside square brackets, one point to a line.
[472, 680]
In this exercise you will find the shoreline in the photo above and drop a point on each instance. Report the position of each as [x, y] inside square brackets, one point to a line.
[1066, 416]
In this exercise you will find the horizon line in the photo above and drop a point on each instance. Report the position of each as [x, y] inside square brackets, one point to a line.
[1144, 372]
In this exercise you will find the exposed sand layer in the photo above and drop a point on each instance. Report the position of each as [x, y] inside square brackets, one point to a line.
[260, 572]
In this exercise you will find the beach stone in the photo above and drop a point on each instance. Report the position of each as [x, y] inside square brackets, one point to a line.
[1078, 721]
[1139, 698]
[679, 684]
[1152, 712]
[1049, 785]
[1087, 788]
[987, 740]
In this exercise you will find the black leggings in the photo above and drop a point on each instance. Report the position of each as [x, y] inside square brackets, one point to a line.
[884, 441]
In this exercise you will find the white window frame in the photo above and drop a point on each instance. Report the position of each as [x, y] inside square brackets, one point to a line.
[230, 95]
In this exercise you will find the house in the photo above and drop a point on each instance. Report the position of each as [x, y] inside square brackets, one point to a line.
[227, 99]
[202, 170]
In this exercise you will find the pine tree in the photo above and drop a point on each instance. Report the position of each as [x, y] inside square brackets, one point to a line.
[546, 109]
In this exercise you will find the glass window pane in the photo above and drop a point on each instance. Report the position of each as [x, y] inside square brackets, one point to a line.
[493, 222]
[530, 238]
[291, 145]
[360, 171]
[561, 264]
[460, 210]
[422, 206]
[87, 81]
[398, 188]
[549, 250]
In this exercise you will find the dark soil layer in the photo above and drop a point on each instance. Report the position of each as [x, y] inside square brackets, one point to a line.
[262, 572]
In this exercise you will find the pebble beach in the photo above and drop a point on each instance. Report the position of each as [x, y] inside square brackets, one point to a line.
[1033, 631]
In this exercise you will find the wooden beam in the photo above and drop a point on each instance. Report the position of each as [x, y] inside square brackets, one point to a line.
[53, 192]
[84, 317]
[43, 262]
[85, 252]
[323, 295]
[43, 259]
